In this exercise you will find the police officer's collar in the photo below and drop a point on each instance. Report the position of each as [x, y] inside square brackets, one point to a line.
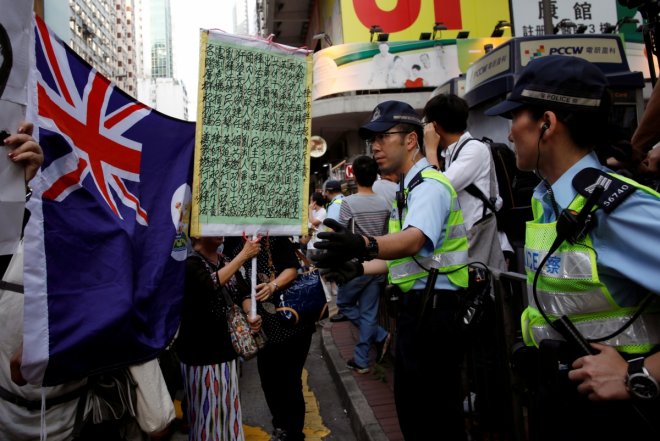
[563, 190]
[420, 165]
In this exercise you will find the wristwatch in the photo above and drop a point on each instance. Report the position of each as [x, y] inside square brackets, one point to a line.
[372, 248]
[639, 382]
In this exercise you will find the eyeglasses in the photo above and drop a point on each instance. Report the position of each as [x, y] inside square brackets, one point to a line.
[380, 137]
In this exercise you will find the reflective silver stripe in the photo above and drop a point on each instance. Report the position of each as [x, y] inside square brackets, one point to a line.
[565, 265]
[409, 268]
[644, 330]
[455, 206]
[559, 303]
[456, 231]
[563, 99]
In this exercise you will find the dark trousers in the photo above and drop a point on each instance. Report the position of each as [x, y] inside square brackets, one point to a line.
[427, 369]
[559, 412]
[280, 370]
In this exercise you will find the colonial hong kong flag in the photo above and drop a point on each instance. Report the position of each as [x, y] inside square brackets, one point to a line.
[105, 246]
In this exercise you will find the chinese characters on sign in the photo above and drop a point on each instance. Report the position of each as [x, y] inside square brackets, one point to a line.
[567, 15]
[252, 153]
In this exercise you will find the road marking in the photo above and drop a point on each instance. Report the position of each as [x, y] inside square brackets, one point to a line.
[314, 429]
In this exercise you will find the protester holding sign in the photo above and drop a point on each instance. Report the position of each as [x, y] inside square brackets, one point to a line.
[210, 370]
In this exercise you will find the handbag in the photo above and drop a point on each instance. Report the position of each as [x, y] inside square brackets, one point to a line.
[111, 395]
[242, 338]
[303, 301]
[154, 409]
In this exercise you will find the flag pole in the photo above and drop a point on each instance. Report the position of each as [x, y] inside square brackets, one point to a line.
[253, 280]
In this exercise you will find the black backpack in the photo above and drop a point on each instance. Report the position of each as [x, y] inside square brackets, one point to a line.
[515, 187]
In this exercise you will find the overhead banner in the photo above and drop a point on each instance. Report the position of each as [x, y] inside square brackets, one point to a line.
[251, 171]
[375, 66]
[406, 20]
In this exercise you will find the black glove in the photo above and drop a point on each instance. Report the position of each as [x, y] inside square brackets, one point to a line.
[343, 273]
[340, 246]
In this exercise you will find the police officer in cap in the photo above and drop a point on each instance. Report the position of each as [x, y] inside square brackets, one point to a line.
[425, 254]
[591, 257]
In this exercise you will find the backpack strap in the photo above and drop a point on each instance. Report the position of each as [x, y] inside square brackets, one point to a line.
[460, 147]
[489, 203]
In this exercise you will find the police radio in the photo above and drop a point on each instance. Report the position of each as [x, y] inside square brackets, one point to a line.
[571, 225]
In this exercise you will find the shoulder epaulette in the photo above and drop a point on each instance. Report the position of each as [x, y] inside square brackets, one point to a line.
[616, 190]
[415, 181]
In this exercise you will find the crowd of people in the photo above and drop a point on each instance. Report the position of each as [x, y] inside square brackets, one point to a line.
[591, 321]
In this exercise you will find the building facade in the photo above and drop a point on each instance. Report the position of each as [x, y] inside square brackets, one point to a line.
[157, 86]
[100, 31]
[365, 53]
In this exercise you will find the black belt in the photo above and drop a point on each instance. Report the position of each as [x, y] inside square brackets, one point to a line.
[11, 286]
[442, 298]
[36, 404]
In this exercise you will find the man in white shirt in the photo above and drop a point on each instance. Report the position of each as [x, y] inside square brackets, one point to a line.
[468, 161]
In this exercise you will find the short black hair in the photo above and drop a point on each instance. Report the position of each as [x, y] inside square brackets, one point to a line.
[365, 169]
[419, 131]
[318, 198]
[449, 111]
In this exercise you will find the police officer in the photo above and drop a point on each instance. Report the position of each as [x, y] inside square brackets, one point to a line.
[425, 252]
[592, 279]
[332, 191]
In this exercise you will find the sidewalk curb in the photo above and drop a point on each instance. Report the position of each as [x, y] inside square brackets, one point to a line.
[363, 421]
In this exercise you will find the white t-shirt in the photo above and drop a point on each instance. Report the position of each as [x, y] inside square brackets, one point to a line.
[16, 422]
[320, 213]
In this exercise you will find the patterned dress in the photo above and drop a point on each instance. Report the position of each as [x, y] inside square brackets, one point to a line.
[208, 360]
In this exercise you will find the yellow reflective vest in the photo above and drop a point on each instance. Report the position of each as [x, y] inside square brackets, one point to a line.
[450, 258]
[569, 285]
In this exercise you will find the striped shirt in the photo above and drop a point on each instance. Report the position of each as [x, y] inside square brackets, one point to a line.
[370, 213]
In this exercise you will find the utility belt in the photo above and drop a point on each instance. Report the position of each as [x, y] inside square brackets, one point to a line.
[438, 298]
[414, 301]
[36, 404]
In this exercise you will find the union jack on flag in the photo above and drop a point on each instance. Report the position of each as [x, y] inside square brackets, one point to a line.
[105, 246]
